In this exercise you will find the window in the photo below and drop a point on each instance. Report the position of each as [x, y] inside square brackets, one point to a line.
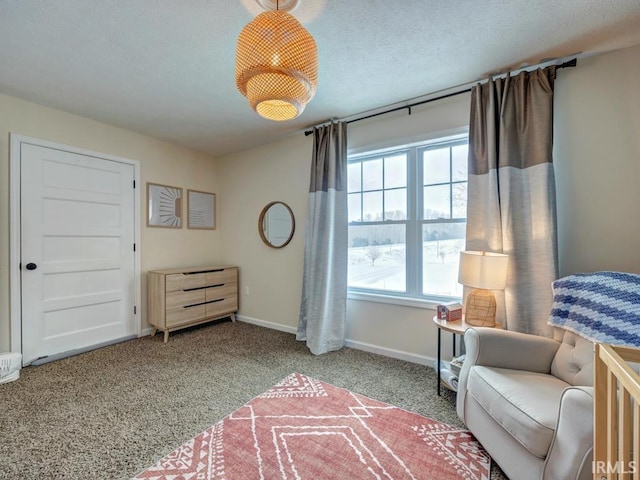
[407, 219]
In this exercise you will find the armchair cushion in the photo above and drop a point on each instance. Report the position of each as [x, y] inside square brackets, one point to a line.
[524, 403]
[573, 361]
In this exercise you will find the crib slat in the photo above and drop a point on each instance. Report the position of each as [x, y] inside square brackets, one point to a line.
[600, 410]
[612, 422]
[636, 438]
[624, 439]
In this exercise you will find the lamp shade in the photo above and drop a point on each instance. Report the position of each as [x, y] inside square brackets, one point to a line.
[276, 65]
[484, 270]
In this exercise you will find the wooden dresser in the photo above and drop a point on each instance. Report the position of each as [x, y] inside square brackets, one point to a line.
[182, 297]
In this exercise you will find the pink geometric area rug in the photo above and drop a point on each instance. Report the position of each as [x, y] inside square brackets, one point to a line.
[305, 429]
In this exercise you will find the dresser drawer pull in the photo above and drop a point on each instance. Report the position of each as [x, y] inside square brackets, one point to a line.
[192, 289]
[202, 288]
[204, 271]
[203, 303]
[193, 305]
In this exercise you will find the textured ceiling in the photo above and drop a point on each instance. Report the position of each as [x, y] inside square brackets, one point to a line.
[165, 67]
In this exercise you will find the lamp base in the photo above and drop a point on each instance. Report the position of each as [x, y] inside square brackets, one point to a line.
[480, 308]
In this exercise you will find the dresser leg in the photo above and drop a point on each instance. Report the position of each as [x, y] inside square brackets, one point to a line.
[153, 332]
[166, 336]
[233, 317]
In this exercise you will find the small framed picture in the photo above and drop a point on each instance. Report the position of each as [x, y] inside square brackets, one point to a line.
[164, 206]
[201, 208]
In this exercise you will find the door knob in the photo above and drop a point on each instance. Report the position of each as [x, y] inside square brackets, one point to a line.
[31, 266]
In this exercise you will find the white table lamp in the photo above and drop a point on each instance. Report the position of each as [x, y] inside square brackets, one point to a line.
[483, 271]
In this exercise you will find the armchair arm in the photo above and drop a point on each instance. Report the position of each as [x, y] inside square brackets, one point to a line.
[571, 452]
[504, 349]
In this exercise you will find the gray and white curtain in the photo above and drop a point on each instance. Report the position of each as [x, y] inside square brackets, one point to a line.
[511, 202]
[323, 309]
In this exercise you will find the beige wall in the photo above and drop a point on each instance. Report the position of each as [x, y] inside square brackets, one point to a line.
[160, 162]
[252, 179]
[597, 158]
[280, 171]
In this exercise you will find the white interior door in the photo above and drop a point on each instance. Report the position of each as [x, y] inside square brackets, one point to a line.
[77, 251]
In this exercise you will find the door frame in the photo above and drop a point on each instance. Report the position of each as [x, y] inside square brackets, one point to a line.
[15, 285]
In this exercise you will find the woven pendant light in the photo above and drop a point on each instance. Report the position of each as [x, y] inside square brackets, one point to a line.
[276, 65]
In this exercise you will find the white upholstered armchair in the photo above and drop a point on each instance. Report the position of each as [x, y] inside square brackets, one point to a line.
[529, 401]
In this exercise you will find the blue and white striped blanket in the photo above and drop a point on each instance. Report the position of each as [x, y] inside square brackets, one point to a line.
[603, 306]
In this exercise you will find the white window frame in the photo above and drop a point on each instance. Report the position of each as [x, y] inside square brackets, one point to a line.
[413, 297]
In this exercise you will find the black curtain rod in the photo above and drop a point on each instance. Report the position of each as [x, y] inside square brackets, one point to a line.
[570, 63]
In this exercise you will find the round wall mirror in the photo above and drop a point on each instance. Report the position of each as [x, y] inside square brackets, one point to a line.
[276, 224]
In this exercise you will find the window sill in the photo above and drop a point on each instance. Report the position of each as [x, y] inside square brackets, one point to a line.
[430, 304]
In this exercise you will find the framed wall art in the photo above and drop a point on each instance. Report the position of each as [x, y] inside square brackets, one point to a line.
[201, 207]
[164, 206]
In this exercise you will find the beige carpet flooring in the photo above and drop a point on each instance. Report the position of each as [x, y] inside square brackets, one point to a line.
[110, 413]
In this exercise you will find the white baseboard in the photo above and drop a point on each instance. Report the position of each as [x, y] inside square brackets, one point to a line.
[390, 352]
[367, 347]
[264, 323]
[245, 319]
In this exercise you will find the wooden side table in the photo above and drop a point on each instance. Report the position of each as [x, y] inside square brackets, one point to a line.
[457, 327]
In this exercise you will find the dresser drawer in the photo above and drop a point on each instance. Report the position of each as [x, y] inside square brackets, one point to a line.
[181, 299]
[180, 281]
[225, 305]
[226, 290]
[227, 275]
[184, 315]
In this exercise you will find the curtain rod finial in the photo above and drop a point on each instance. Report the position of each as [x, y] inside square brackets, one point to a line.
[570, 63]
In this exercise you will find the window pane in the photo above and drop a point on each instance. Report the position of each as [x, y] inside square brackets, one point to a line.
[372, 174]
[372, 206]
[459, 200]
[377, 257]
[459, 155]
[395, 204]
[436, 202]
[441, 247]
[379, 191]
[355, 205]
[436, 165]
[395, 171]
[354, 177]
